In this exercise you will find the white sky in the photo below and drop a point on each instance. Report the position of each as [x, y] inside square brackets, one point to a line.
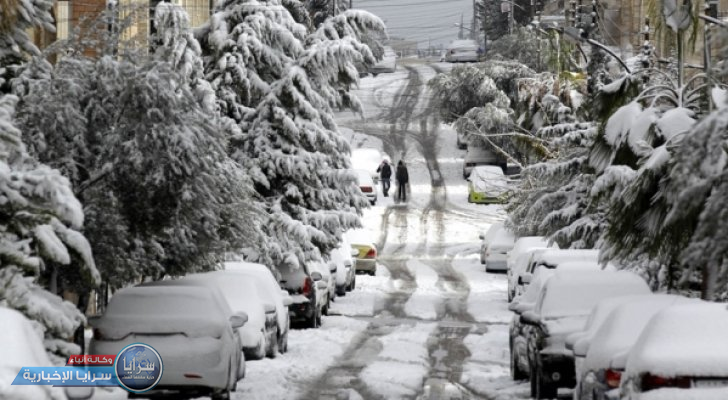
[421, 20]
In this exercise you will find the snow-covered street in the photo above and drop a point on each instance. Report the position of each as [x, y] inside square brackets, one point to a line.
[431, 324]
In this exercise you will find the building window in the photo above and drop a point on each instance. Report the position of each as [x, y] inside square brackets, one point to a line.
[63, 19]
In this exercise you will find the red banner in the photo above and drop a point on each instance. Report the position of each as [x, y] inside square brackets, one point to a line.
[91, 360]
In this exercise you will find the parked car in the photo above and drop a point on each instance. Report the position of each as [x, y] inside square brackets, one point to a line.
[519, 256]
[495, 246]
[387, 64]
[367, 185]
[307, 289]
[328, 272]
[601, 349]
[462, 51]
[367, 160]
[342, 256]
[552, 258]
[366, 259]
[681, 354]
[518, 335]
[487, 185]
[562, 309]
[191, 327]
[476, 156]
[271, 292]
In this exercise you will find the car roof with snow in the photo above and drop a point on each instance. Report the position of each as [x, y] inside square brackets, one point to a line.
[488, 171]
[683, 340]
[617, 323]
[554, 257]
[364, 177]
[465, 44]
[359, 236]
[575, 293]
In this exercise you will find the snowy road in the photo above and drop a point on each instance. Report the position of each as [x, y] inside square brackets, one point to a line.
[431, 324]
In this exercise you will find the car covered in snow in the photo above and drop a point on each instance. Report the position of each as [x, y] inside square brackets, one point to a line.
[387, 64]
[477, 155]
[495, 246]
[367, 185]
[271, 293]
[308, 292]
[487, 184]
[552, 258]
[519, 256]
[601, 349]
[343, 257]
[367, 159]
[191, 326]
[366, 257]
[328, 272]
[681, 354]
[563, 307]
[465, 50]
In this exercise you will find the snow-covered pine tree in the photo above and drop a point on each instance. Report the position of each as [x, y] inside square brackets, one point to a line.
[320, 10]
[16, 17]
[39, 232]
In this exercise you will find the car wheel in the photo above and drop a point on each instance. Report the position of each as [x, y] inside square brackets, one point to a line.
[341, 292]
[273, 348]
[318, 319]
[353, 283]
[223, 394]
[372, 273]
[314, 320]
[325, 309]
[283, 343]
[543, 390]
[261, 350]
[510, 296]
[516, 372]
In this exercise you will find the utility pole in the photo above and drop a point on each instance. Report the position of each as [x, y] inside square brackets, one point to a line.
[474, 24]
[333, 7]
[351, 4]
[462, 20]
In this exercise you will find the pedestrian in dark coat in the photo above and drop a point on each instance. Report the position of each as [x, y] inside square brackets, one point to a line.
[385, 175]
[402, 180]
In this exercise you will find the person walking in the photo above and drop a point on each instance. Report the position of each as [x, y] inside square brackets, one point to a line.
[402, 180]
[385, 175]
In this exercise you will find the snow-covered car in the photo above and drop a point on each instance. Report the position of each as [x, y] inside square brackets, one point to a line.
[271, 293]
[328, 272]
[307, 290]
[681, 354]
[368, 160]
[342, 256]
[259, 335]
[601, 349]
[487, 184]
[366, 259]
[387, 64]
[462, 51]
[519, 256]
[552, 259]
[476, 156]
[563, 307]
[495, 246]
[517, 335]
[192, 328]
[367, 185]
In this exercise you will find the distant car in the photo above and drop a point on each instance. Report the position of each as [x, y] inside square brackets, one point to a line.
[192, 328]
[519, 256]
[476, 156]
[487, 185]
[308, 291]
[366, 259]
[601, 349]
[681, 354]
[271, 292]
[496, 244]
[387, 64]
[342, 256]
[562, 309]
[462, 51]
[367, 160]
[367, 185]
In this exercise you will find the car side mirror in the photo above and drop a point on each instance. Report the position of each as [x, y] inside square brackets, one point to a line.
[78, 392]
[524, 279]
[513, 306]
[354, 252]
[316, 276]
[332, 267]
[93, 320]
[239, 319]
[481, 237]
[530, 318]
[269, 308]
[322, 285]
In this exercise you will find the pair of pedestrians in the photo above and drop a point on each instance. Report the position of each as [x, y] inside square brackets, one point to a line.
[401, 175]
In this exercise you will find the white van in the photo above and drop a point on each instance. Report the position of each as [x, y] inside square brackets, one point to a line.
[462, 51]
[481, 156]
